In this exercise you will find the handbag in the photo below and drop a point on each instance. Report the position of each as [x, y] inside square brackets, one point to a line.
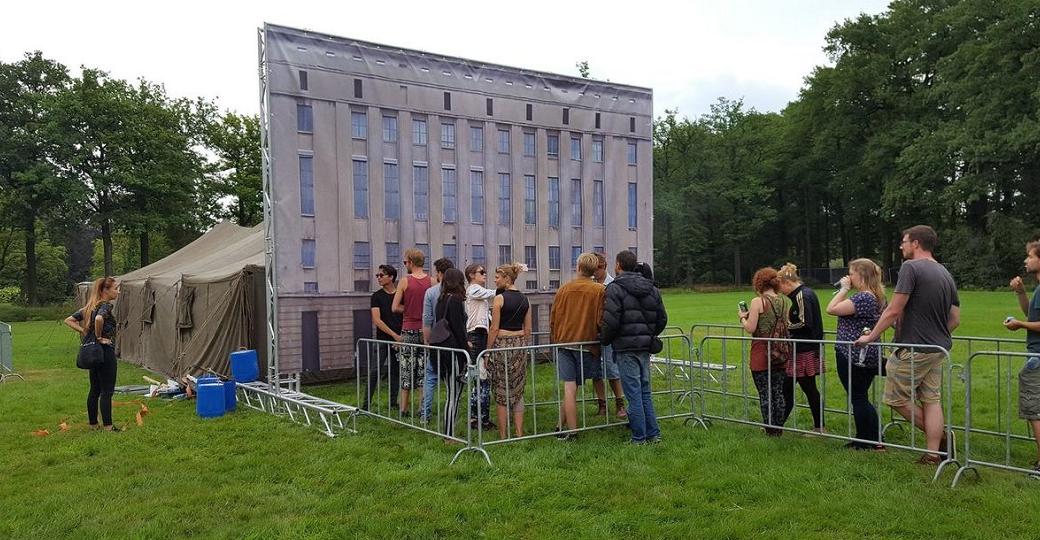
[90, 355]
[440, 333]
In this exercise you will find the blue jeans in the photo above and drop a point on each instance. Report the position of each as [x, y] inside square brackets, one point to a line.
[635, 381]
[429, 387]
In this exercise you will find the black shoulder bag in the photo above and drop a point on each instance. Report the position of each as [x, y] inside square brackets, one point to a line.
[91, 355]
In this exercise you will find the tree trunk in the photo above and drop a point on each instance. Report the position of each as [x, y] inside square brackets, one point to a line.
[145, 245]
[736, 264]
[808, 233]
[29, 227]
[106, 241]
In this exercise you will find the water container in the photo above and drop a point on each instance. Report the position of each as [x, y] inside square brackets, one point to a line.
[230, 400]
[206, 379]
[210, 401]
[245, 366]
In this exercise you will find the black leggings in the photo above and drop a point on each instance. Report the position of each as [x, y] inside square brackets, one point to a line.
[102, 386]
[812, 396]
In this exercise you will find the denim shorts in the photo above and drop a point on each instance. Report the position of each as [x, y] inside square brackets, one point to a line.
[606, 361]
[571, 364]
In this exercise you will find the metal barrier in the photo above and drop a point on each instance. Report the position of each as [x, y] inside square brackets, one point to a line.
[421, 366]
[541, 390]
[6, 354]
[959, 342]
[718, 399]
[1002, 428]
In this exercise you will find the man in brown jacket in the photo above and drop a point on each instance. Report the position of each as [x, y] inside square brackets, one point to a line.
[574, 318]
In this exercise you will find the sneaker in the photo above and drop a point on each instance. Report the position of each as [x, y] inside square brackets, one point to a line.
[114, 429]
[567, 437]
[488, 425]
[654, 440]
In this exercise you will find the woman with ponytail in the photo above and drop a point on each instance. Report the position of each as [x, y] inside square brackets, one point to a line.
[96, 323]
[510, 328]
[858, 367]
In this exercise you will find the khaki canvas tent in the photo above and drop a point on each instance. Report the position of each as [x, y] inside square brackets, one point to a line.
[191, 309]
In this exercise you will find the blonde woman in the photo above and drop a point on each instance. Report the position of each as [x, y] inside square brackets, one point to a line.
[858, 367]
[806, 323]
[510, 327]
[96, 323]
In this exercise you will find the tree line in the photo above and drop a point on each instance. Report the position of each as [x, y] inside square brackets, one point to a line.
[93, 159]
[927, 113]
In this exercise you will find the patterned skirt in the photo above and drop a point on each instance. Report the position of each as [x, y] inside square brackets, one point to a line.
[508, 371]
[805, 364]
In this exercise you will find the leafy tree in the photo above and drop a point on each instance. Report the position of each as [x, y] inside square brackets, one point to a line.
[31, 187]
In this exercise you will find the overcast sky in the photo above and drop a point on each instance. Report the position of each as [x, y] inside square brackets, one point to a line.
[689, 52]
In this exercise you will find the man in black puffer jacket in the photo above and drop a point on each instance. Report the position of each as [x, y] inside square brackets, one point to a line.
[633, 316]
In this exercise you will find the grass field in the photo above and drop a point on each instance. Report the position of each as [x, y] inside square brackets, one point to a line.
[252, 475]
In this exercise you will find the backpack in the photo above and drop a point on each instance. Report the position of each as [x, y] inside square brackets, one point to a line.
[779, 351]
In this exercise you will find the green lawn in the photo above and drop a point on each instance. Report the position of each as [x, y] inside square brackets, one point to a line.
[253, 475]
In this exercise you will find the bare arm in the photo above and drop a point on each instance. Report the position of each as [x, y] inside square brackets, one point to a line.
[99, 324]
[377, 317]
[496, 320]
[72, 323]
[840, 305]
[750, 322]
[1015, 324]
[955, 318]
[1020, 292]
[398, 304]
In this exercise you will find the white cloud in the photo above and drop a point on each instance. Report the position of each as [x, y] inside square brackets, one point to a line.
[688, 52]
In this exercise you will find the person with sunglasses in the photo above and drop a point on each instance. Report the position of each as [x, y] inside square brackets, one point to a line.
[478, 318]
[388, 328]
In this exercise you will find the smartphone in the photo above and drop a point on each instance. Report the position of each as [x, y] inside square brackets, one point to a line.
[742, 306]
[1008, 319]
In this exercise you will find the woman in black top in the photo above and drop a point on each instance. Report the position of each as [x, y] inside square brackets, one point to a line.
[95, 322]
[806, 323]
[510, 329]
[451, 366]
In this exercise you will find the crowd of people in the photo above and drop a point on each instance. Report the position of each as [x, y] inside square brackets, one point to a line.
[924, 310]
[611, 324]
[607, 328]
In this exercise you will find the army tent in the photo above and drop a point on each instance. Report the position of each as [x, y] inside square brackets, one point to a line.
[191, 309]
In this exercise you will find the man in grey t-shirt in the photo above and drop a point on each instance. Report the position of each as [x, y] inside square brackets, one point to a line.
[925, 310]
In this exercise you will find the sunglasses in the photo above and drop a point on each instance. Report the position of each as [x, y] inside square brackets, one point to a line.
[380, 275]
[482, 272]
